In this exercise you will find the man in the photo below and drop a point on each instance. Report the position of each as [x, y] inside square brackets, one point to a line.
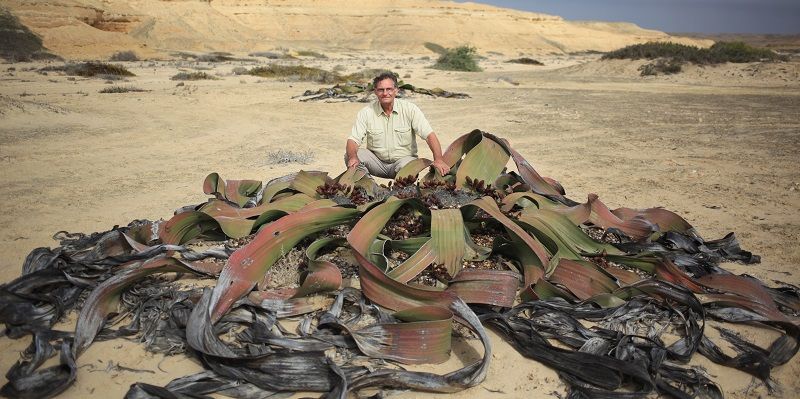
[387, 127]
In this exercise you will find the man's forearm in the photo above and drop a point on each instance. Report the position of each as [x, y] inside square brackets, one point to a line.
[438, 159]
[435, 146]
[351, 149]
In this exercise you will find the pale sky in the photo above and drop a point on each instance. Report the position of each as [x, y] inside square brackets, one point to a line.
[701, 16]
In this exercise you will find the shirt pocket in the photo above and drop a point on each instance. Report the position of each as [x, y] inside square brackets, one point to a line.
[403, 136]
[376, 139]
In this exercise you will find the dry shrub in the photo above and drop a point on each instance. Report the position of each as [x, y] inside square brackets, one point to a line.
[90, 69]
[121, 89]
[295, 72]
[193, 76]
[282, 156]
[525, 61]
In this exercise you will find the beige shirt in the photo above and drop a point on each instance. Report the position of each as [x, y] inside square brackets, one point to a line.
[390, 137]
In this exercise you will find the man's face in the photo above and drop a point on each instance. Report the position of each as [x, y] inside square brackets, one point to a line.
[386, 92]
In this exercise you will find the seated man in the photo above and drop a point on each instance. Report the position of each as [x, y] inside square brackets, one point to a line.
[389, 126]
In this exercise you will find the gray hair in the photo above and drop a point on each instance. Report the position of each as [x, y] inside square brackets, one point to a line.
[385, 75]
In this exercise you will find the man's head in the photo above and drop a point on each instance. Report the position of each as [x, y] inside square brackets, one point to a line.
[385, 86]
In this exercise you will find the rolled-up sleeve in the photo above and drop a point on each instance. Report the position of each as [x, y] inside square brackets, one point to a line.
[359, 130]
[419, 123]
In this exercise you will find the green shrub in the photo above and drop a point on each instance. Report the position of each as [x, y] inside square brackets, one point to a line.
[525, 61]
[121, 89]
[124, 56]
[295, 72]
[458, 59]
[193, 76]
[90, 69]
[719, 53]
[741, 52]
[435, 48]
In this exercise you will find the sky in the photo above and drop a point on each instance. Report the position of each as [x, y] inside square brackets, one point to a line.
[699, 16]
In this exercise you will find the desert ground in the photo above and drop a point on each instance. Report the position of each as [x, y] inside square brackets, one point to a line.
[719, 145]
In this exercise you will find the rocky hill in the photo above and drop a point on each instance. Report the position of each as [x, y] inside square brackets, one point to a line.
[97, 28]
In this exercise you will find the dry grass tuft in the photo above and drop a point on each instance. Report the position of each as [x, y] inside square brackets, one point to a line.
[282, 156]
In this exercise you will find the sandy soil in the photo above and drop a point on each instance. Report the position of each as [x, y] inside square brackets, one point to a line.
[718, 145]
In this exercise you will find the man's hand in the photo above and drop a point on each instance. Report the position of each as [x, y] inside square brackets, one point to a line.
[436, 150]
[353, 161]
[440, 166]
[351, 149]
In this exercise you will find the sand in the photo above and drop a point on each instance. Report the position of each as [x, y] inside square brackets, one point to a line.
[81, 29]
[718, 145]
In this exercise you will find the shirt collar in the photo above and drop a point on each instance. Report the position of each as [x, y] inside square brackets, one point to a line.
[376, 106]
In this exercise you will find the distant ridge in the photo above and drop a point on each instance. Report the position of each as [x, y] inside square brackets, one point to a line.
[92, 29]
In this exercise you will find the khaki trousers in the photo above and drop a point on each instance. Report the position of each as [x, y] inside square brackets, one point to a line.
[378, 168]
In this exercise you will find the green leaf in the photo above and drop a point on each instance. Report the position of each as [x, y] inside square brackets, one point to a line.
[322, 276]
[531, 270]
[664, 219]
[571, 239]
[582, 279]
[186, 226]
[236, 191]
[461, 146]
[483, 162]
[447, 239]
[414, 265]
[423, 337]
[307, 182]
[636, 228]
[489, 287]
[248, 265]
[413, 168]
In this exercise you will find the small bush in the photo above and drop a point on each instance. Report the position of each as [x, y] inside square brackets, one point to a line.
[525, 61]
[289, 156]
[239, 71]
[436, 48]
[309, 53]
[121, 89]
[90, 69]
[124, 56]
[295, 72]
[458, 59]
[272, 55]
[662, 66]
[193, 76]
[740, 52]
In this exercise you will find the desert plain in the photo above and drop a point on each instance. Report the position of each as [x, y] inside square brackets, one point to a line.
[719, 145]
